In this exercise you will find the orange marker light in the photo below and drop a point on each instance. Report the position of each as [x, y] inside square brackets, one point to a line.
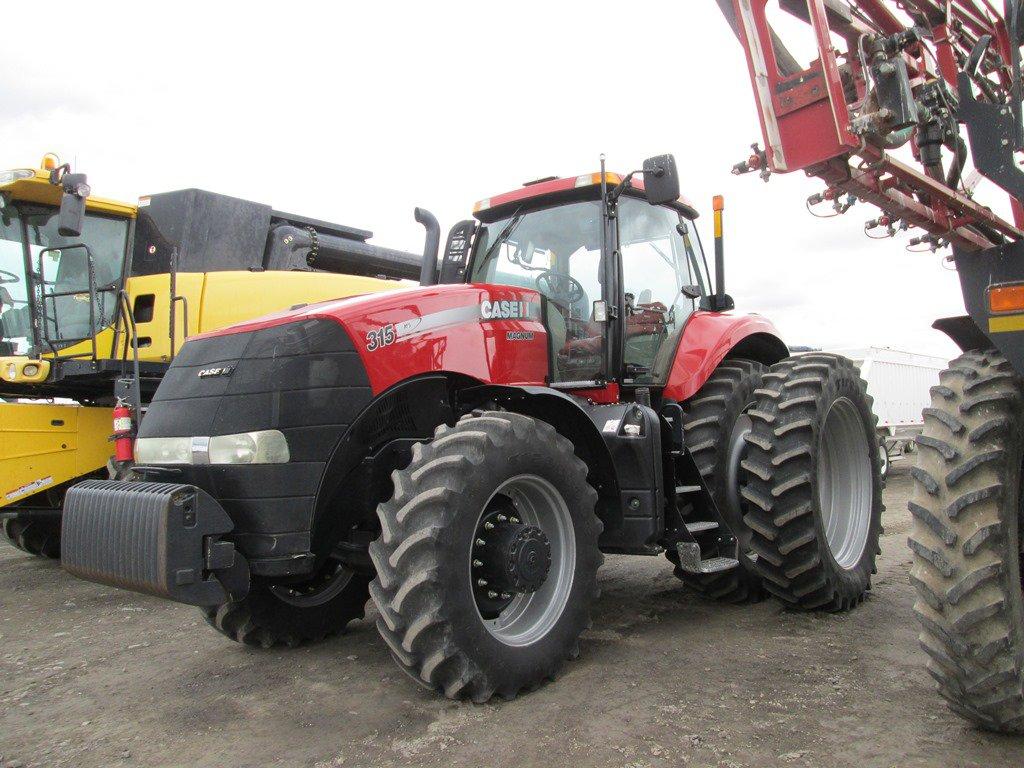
[1006, 298]
[50, 161]
[718, 203]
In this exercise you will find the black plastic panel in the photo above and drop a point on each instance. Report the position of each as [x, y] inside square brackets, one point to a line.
[304, 379]
[637, 459]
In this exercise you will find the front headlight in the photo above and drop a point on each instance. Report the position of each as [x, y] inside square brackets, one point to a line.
[163, 450]
[267, 446]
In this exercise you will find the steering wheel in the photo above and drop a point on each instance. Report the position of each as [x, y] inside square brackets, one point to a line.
[560, 286]
[8, 277]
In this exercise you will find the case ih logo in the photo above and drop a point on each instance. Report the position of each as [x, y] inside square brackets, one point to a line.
[206, 373]
[504, 310]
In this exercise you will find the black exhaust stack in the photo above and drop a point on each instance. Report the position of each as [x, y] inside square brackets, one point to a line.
[428, 270]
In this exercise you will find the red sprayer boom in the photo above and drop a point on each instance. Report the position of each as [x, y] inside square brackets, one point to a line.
[891, 75]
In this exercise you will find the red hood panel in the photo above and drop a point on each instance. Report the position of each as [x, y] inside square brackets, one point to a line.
[492, 333]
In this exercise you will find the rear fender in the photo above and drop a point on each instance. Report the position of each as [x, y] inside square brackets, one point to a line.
[963, 332]
[709, 338]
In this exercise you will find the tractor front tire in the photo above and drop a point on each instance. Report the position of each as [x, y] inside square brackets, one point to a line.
[36, 537]
[813, 483]
[487, 560]
[294, 614]
[967, 540]
[714, 423]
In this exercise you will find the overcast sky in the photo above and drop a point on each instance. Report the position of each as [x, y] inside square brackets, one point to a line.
[358, 112]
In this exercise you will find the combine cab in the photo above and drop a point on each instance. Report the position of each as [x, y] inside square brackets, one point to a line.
[96, 298]
[568, 384]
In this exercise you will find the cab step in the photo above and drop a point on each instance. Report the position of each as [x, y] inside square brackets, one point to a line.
[681, 489]
[691, 562]
[701, 526]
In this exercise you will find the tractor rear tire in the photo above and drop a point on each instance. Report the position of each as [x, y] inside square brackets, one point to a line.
[714, 421]
[457, 513]
[813, 483]
[36, 537]
[967, 540]
[294, 614]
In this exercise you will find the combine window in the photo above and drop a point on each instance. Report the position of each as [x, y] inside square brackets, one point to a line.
[65, 271]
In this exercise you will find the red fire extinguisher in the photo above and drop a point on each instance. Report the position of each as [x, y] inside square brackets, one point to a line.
[124, 431]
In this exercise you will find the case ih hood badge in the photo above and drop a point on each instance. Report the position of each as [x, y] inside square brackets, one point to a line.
[509, 310]
[224, 370]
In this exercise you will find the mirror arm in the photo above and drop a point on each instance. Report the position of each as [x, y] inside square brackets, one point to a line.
[619, 188]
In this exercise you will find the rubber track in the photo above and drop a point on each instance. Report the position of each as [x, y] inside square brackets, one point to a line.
[38, 538]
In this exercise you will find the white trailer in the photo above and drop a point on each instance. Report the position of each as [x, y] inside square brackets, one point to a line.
[899, 382]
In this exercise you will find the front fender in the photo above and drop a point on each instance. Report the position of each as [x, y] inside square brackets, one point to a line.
[710, 337]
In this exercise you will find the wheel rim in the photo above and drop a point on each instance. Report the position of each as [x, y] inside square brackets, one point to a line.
[736, 451]
[322, 588]
[529, 503]
[845, 484]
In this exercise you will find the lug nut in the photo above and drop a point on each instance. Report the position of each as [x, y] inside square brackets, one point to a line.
[492, 594]
[481, 582]
[505, 596]
[514, 520]
[478, 563]
[480, 542]
[488, 526]
[502, 518]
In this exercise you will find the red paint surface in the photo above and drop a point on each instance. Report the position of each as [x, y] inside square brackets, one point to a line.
[478, 347]
[706, 341]
[554, 186]
[468, 344]
[472, 345]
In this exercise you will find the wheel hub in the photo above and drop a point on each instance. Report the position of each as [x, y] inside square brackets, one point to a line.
[510, 558]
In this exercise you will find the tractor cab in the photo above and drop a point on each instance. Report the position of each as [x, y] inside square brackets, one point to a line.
[619, 267]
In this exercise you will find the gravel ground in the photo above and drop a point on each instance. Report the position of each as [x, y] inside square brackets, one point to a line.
[91, 676]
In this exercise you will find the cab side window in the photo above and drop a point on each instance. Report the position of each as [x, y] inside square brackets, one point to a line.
[659, 259]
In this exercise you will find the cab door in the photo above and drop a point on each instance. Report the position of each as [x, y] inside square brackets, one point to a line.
[663, 277]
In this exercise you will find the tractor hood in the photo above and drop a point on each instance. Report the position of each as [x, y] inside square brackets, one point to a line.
[492, 333]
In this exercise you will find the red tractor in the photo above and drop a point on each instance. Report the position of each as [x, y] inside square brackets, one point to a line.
[565, 382]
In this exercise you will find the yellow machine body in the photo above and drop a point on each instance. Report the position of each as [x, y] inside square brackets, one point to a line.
[43, 445]
[46, 444]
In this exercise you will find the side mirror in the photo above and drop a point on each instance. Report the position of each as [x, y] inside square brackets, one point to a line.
[72, 204]
[661, 181]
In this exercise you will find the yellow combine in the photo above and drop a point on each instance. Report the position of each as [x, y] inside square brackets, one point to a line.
[96, 296]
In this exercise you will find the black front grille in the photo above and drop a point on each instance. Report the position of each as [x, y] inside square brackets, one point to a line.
[303, 378]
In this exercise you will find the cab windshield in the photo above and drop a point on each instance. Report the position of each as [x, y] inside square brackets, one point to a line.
[54, 289]
[557, 251]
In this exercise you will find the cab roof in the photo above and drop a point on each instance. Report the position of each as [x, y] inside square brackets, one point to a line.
[32, 185]
[559, 190]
